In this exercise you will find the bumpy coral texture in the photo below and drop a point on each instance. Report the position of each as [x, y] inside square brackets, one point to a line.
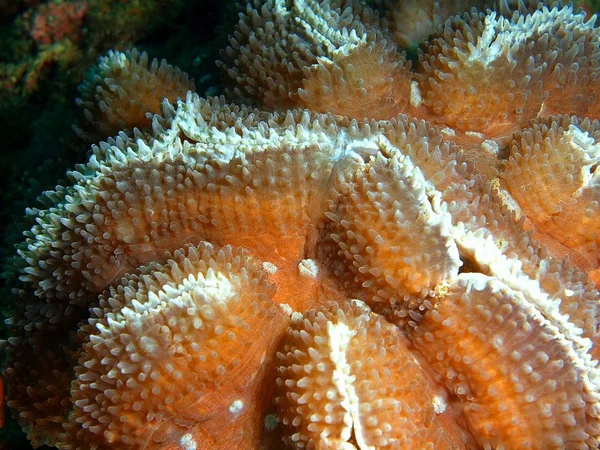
[406, 260]
[123, 88]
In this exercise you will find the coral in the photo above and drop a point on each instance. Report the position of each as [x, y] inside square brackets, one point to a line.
[557, 161]
[499, 353]
[481, 75]
[333, 69]
[345, 371]
[171, 320]
[412, 21]
[123, 88]
[56, 21]
[37, 86]
[258, 278]
[507, 71]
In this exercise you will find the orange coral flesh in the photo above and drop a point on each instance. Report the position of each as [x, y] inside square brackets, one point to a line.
[375, 192]
[490, 74]
[370, 240]
[552, 173]
[348, 84]
[406, 220]
[522, 382]
[266, 201]
[347, 380]
[175, 353]
[125, 87]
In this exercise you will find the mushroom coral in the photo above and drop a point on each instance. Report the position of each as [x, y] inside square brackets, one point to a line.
[379, 397]
[400, 261]
[176, 352]
[122, 88]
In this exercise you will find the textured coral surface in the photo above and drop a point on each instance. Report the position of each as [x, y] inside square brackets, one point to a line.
[349, 251]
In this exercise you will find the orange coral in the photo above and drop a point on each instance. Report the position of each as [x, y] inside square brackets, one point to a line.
[489, 74]
[483, 75]
[346, 84]
[352, 233]
[413, 21]
[511, 366]
[460, 314]
[551, 173]
[167, 350]
[334, 67]
[123, 88]
[347, 380]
